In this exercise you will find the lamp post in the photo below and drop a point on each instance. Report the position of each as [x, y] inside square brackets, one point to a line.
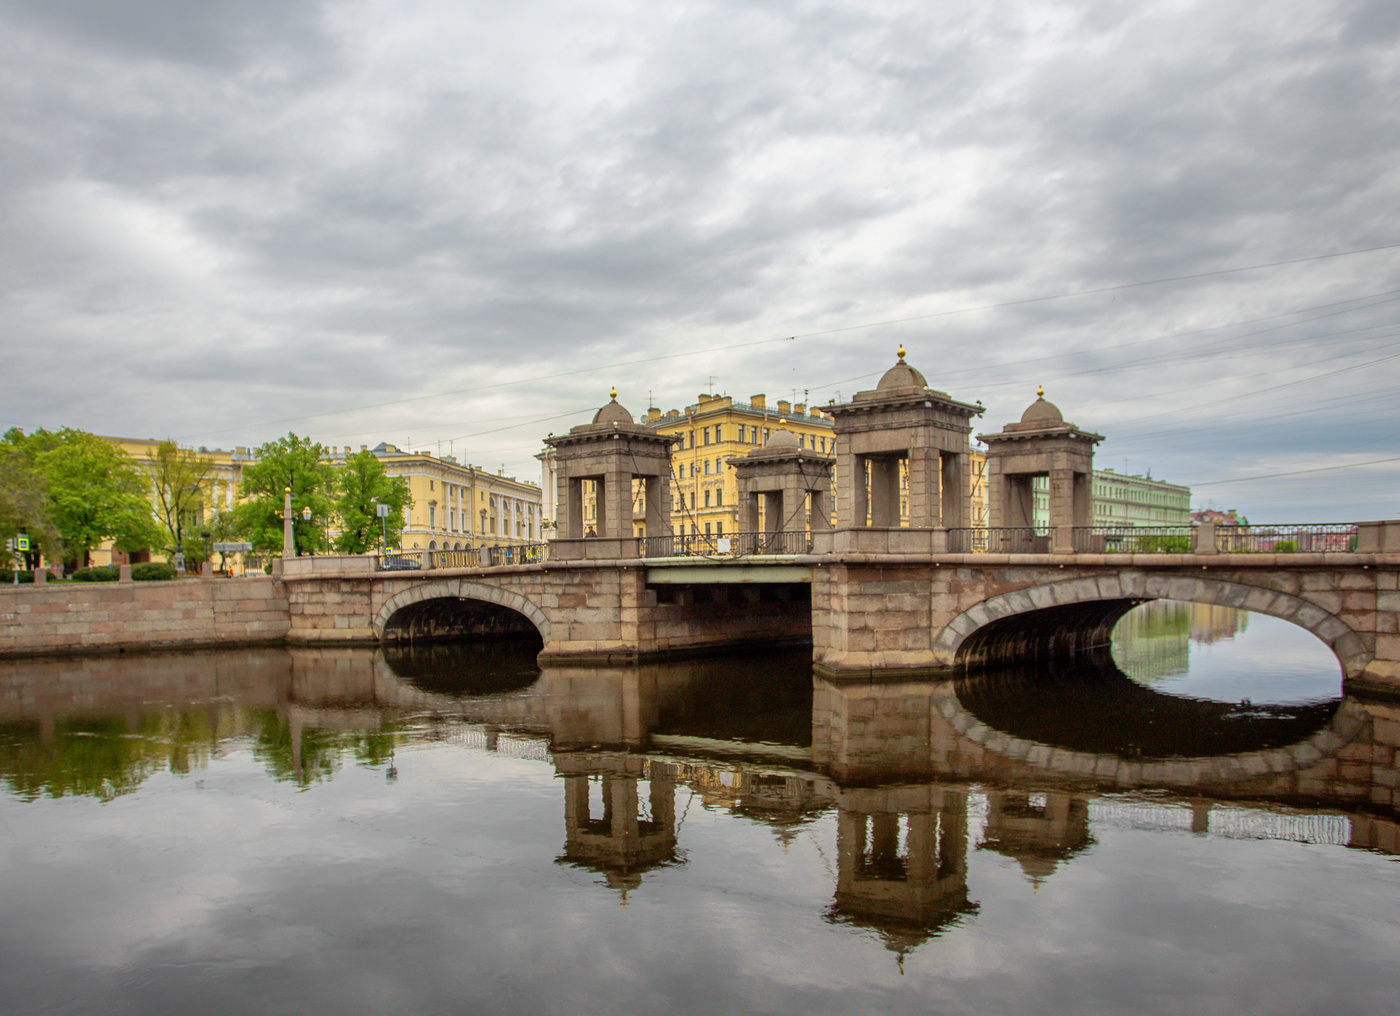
[306, 517]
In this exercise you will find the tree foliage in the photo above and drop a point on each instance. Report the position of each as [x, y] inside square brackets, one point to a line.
[182, 482]
[95, 491]
[24, 501]
[360, 485]
[294, 462]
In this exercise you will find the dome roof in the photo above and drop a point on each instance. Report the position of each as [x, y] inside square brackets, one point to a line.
[1042, 412]
[613, 412]
[901, 375]
[782, 438]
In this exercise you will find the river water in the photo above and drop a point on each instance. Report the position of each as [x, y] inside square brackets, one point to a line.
[1188, 825]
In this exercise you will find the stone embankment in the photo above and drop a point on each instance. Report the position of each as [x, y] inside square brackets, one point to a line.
[98, 617]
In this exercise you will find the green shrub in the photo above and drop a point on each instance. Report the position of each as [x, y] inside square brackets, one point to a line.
[1285, 546]
[101, 573]
[7, 577]
[152, 571]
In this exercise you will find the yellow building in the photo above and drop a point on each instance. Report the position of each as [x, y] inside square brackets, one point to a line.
[704, 492]
[454, 506]
[222, 492]
[458, 506]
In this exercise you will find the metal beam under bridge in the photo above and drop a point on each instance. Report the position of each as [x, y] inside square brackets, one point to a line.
[689, 572]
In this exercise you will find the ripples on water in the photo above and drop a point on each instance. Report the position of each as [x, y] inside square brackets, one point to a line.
[453, 829]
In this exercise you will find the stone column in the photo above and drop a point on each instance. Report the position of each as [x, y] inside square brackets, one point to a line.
[1083, 499]
[289, 547]
[773, 509]
[571, 494]
[884, 492]
[749, 511]
[923, 487]
[954, 492]
[619, 496]
[854, 492]
[658, 506]
[821, 511]
[1061, 497]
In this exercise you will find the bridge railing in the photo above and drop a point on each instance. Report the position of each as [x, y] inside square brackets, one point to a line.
[1133, 539]
[999, 540]
[731, 545]
[1287, 538]
[476, 557]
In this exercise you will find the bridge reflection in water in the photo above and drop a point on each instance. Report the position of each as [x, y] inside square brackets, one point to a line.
[917, 775]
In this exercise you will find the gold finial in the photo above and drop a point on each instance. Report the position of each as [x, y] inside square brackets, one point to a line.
[613, 393]
[1040, 392]
[286, 490]
[900, 352]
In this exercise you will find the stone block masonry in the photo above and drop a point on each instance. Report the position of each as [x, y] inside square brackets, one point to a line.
[105, 617]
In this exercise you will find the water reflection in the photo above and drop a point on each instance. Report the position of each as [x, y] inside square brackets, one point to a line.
[904, 800]
[902, 862]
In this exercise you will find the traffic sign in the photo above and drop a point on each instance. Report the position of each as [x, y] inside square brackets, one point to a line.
[22, 542]
[381, 510]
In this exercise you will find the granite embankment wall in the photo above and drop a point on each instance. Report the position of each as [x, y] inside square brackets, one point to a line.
[98, 617]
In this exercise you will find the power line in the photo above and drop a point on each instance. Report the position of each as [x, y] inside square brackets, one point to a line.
[1101, 289]
[1294, 472]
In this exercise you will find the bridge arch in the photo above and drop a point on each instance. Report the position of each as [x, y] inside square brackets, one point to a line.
[1078, 614]
[459, 589]
[1179, 772]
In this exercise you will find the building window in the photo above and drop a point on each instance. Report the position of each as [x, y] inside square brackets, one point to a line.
[753, 435]
[432, 518]
[719, 497]
[430, 484]
[719, 528]
[707, 529]
[707, 435]
[767, 433]
[707, 467]
[692, 439]
[707, 499]
[718, 439]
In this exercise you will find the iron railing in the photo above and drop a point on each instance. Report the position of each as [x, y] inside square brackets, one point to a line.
[731, 545]
[999, 540]
[475, 557]
[1133, 539]
[1302, 538]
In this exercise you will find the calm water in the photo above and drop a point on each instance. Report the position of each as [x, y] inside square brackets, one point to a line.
[455, 831]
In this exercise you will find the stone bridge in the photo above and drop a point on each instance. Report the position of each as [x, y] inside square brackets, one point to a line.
[865, 613]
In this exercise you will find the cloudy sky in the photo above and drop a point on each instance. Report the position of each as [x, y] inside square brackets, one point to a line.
[461, 222]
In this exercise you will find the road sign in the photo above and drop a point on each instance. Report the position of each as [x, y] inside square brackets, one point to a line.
[22, 542]
[232, 548]
[381, 510]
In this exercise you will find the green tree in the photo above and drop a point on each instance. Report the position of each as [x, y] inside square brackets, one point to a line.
[182, 480]
[298, 463]
[361, 484]
[24, 503]
[96, 491]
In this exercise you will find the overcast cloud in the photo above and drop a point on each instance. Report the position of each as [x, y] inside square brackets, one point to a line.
[219, 219]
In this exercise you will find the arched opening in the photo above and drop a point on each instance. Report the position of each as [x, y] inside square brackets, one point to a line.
[1051, 633]
[461, 619]
[1069, 619]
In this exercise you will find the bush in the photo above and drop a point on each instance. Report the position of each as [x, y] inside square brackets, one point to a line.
[101, 573]
[1285, 546]
[7, 577]
[152, 571]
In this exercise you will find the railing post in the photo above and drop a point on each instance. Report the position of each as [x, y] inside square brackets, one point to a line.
[1368, 537]
[1203, 539]
[427, 560]
[1063, 540]
[940, 541]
